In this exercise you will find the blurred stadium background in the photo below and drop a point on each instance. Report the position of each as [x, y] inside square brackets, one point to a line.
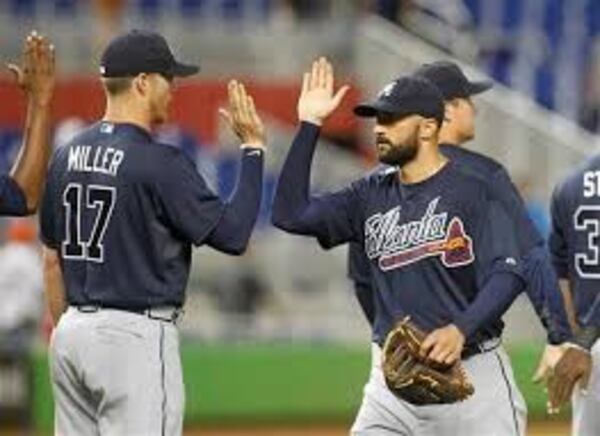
[276, 338]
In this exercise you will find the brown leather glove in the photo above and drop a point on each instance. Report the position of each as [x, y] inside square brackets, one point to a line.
[409, 376]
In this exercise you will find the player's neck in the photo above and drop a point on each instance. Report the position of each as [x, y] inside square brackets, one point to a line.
[424, 166]
[450, 136]
[123, 112]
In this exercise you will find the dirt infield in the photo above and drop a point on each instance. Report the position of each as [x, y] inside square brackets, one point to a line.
[545, 428]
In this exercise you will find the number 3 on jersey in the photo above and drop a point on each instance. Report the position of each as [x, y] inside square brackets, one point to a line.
[587, 219]
[101, 198]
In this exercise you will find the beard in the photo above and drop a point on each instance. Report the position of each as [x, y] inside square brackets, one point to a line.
[396, 154]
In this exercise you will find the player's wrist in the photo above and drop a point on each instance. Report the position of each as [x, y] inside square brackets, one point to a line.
[586, 337]
[462, 325]
[253, 145]
[311, 119]
[246, 147]
[39, 101]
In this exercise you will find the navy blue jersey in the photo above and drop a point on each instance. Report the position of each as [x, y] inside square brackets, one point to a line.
[542, 289]
[575, 238]
[502, 188]
[12, 199]
[123, 212]
[431, 245]
[434, 247]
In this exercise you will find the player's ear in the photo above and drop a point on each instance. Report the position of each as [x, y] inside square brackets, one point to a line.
[450, 107]
[141, 84]
[428, 128]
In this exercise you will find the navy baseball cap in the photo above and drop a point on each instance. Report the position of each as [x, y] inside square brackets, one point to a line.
[406, 96]
[451, 81]
[138, 52]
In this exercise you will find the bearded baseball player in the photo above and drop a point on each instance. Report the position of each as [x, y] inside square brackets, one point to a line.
[459, 127]
[21, 191]
[119, 216]
[443, 257]
[574, 239]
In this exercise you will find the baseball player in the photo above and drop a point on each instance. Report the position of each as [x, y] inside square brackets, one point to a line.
[575, 210]
[440, 246]
[21, 191]
[119, 216]
[458, 127]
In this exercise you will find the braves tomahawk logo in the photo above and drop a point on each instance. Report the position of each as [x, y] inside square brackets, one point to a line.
[397, 245]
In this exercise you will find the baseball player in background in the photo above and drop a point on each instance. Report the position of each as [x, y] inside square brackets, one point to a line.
[21, 191]
[441, 249]
[119, 216]
[574, 239]
[459, 127]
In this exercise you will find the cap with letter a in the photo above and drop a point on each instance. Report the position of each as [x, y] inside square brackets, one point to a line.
[406, 96]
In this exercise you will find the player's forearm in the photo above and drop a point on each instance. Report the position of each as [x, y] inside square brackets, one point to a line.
[234, 229]
[53, 285]
[543, 292]
[491, 302]
[29, 170]
[291, 203]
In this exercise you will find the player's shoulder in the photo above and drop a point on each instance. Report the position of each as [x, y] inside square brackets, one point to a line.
[571, 185]
[480, 164]
[381, 174]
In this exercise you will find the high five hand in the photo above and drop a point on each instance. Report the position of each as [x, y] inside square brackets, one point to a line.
[317, 99]
[36, 73]
[242, 116]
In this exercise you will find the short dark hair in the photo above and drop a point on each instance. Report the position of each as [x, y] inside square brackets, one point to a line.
[117, 85]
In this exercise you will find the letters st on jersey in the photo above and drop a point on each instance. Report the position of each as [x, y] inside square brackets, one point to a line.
[586, 221]
[396, 245]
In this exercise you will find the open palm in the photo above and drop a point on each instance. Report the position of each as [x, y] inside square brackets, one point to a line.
[36, 73]
[317, 99]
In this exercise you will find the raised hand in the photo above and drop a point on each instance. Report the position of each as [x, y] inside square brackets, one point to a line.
[317, 100]
[36, 74]
[242, 116]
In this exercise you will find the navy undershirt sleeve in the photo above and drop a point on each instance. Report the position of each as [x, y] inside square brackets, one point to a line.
[500, 274]
[491, 302]
[545, 295]
[198, 215]
[558, 242]
[233, 231]
[542, 285]
[12, 198]
[333, 218]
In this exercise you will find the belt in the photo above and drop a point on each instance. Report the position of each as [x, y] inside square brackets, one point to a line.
[161, 313]
[472, 349]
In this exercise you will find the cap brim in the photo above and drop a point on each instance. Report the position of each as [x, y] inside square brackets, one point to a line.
[370, 110]
[478, 87]
[183, 70]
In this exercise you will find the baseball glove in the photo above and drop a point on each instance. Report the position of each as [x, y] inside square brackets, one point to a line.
[409, 376]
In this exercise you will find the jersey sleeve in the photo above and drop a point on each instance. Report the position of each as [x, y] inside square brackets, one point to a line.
[337, 217]
[557, 242]
[359, 270]
[497, 248]
[12, 198]
[189, 206]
